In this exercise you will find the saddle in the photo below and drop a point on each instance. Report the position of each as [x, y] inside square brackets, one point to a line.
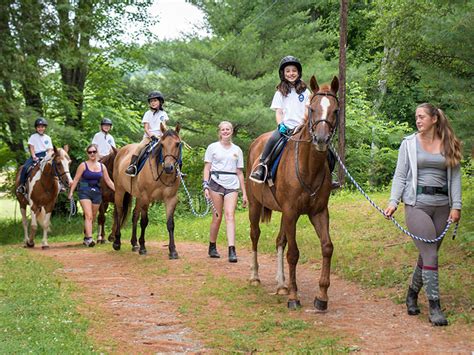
[145, 154]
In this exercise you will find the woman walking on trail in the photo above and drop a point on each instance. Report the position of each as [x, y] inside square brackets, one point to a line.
[152, 120]
[223, 176]
[88, 176]
[428, 180]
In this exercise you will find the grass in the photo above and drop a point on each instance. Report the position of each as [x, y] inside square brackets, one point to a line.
[367, 249]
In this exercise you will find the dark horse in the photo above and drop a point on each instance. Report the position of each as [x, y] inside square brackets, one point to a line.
[107, 196]
[302, 186]
[157, 181]
[43, 190]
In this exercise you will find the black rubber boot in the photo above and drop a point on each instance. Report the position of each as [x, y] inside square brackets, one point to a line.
[132, 168]
[412, 302]
[437, 317]
[213, 251]
[232, 255]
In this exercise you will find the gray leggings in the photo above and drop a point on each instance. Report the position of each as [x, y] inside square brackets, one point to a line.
[427, 222]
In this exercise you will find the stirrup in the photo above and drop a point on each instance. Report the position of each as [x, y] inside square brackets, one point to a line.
[265, 170]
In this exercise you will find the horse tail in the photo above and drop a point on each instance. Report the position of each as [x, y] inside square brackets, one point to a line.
[126, 206]
[265, 215]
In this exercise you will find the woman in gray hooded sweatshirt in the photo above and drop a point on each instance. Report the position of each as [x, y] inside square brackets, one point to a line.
[428, 180]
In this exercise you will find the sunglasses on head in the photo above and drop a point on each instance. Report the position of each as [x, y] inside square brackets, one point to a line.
[91, 151]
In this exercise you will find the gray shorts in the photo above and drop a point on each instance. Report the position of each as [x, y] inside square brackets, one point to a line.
[214, 186]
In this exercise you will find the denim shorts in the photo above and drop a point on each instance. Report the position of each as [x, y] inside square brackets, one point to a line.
[93, 193]
[214, 186]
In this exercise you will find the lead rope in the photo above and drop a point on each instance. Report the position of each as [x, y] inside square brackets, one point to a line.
[442, 235]
[72, 209]
[209, 203]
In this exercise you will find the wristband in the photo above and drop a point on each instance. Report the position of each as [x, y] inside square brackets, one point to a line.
[205, 185]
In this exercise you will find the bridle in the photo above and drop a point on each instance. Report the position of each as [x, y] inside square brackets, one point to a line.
[160, 161]
[312, 124]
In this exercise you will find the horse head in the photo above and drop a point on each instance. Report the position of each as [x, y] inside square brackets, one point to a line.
[323, 113]
[60, 163]
[170, 149]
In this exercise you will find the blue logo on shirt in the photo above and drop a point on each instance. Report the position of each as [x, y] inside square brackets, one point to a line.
[301, 97]
[109, 141]
[46, 142]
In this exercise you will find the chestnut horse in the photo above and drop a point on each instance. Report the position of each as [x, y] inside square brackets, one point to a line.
[302, 186]
[43, 189]
[107, 197]
[157, 181]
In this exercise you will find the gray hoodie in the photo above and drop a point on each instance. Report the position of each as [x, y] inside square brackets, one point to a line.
[405, 178]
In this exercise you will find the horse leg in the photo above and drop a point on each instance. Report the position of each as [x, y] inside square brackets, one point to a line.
[118, 214]
[34, 225]
[24, 221]
[292, 256]
[255, 209]
[46, 224]
[136, 215]
[282, 289]
[170, 207]
[101, 222]
[111, 237]
[320, 222]
[143, 225]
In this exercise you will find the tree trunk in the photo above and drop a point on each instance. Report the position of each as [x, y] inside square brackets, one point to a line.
[344, 9]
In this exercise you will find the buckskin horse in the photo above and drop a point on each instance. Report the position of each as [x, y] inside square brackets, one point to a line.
[302, 186]
[43, 190]
[107, 197]
[157, 181]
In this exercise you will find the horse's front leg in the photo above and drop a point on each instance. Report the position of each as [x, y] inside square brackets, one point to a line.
[170, 207]
[255, 209]
[143, 225]
[24, 221]
[289, 220]
[101, 222]
[136, 215]
[282, 289]
[320, 222]
[46, 224]
[118, 216]
[30, 243]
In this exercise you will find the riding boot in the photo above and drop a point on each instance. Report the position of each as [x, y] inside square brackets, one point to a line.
[21, 189]
[430, 280]
[213, 251]
[132, 168]
[232, 255]
[259, 174]
[413, 291]
[332, 164]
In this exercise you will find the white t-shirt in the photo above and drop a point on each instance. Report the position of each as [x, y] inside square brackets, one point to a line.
[293, 106]
[225, 159]
[154, 118]
[105, 142]
[41, 143]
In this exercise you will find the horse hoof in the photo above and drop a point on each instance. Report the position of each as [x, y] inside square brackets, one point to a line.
[116, 246]
[255, 282]
[173, 255]
[320, 305]
[142, 252]
[294, 304]
[135, 248]
[101, 241]
[282, 291]
[30, 245]
[45, 247]
[111, 238]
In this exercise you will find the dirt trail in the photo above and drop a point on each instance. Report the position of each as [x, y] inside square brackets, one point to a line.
[142, 322]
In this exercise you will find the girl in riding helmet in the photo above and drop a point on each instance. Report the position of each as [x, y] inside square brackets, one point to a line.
[151, 123]
[39, 144]
[104, 139]
[289, 103]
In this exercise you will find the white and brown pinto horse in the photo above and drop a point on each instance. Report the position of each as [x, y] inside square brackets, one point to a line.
[302, 186]
[43, 189]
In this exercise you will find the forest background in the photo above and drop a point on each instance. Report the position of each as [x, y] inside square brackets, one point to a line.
[76, 62]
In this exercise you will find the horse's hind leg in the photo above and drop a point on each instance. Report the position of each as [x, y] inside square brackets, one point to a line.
[143, 225]
[255, 209]
[282, 289]
[101, 222]
[320, 222]
[133, 240]
[170, 207]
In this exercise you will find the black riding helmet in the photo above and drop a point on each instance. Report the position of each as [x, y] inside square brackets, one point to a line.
[290, 60]
[156, 95]
[106, 120]
[40, 122]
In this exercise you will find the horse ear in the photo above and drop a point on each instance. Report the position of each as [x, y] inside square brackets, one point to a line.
[177, 128]
[313, 83]
[335, 85]
[66, 148]
[162, 127]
